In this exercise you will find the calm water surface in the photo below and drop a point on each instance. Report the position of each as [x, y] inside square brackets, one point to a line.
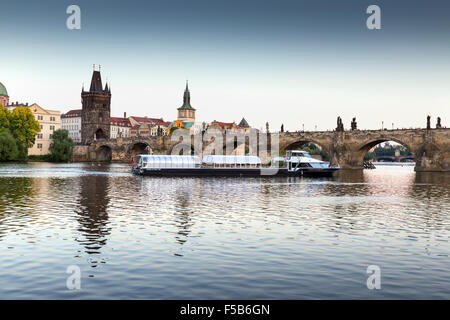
[223, 238]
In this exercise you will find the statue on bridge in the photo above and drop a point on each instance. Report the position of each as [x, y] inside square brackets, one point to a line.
[282, 128]
[428, 122]
[354, 124]
[438, 124]
[340, 125]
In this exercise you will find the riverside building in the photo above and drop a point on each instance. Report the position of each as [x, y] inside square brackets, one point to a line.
[49, 120]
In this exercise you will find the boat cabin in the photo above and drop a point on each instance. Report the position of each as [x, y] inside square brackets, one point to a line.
[162, 161]
[231, 161]
[298, 159]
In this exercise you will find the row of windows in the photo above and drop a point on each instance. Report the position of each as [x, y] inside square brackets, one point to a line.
[41, 136]
[189, 114]
[41, 118]
[113, 128]
[71, 120]
[51, 127]
[70, 127]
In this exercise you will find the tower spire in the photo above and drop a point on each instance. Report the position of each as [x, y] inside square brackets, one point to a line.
[187, 97]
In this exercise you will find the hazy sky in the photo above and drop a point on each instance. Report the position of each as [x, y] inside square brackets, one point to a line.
[292, 62]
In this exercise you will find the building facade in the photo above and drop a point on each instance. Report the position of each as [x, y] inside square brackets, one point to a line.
[96, 110]
[223, 126]
[242, 127]
[120, 127]
[49, 120]
[4, 98]
[71, 121]
[144, 126]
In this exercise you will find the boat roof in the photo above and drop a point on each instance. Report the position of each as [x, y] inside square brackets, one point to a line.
[151, 157]
[231, 159]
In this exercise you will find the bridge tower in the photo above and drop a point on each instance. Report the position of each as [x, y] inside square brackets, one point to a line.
[96, 110]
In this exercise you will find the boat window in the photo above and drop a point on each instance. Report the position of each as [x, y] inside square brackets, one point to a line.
[305, 165]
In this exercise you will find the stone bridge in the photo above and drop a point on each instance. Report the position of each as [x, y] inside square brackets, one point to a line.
[429, 147]
[394, 158]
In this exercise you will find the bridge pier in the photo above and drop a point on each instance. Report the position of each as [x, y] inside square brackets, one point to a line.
[430, 159]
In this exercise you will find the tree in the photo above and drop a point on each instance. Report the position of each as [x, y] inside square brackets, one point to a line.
[4, 119]
[23, 126]
[8, 147]
[61, 147]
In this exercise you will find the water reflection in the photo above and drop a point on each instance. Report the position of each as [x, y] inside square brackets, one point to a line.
[183, 212]
[261, 238]
[15, 197]
[437, 178]
[92, 214]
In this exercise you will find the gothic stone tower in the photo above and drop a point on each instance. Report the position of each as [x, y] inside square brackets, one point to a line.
[96, 109]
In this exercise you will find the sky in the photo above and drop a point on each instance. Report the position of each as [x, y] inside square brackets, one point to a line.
[284, 62]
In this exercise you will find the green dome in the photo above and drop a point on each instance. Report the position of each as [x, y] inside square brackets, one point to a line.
[3, 91]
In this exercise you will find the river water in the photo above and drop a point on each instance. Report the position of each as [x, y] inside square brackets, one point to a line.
[222, 238]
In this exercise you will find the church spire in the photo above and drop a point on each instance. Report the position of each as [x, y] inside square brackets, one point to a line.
[186, 98]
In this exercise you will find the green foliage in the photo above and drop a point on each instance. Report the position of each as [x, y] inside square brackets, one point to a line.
[389, 150]
[386, 150]
[61, 147]
[23, 151]
[23, 126]
[369, 156]
[42, 157]
[4, 119]
[171, 130]
[8, 147]
[313, 149]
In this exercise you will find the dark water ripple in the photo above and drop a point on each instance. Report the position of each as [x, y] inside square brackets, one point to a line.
[222, 238]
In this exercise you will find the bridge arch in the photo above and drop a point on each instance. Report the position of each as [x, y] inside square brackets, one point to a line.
[298, 142]
[367, 145]
[139, 147]
[104, 153]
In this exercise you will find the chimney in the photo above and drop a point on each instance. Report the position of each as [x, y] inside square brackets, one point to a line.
[124, 115]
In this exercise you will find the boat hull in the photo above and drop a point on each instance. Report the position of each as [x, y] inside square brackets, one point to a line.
[233, 172]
